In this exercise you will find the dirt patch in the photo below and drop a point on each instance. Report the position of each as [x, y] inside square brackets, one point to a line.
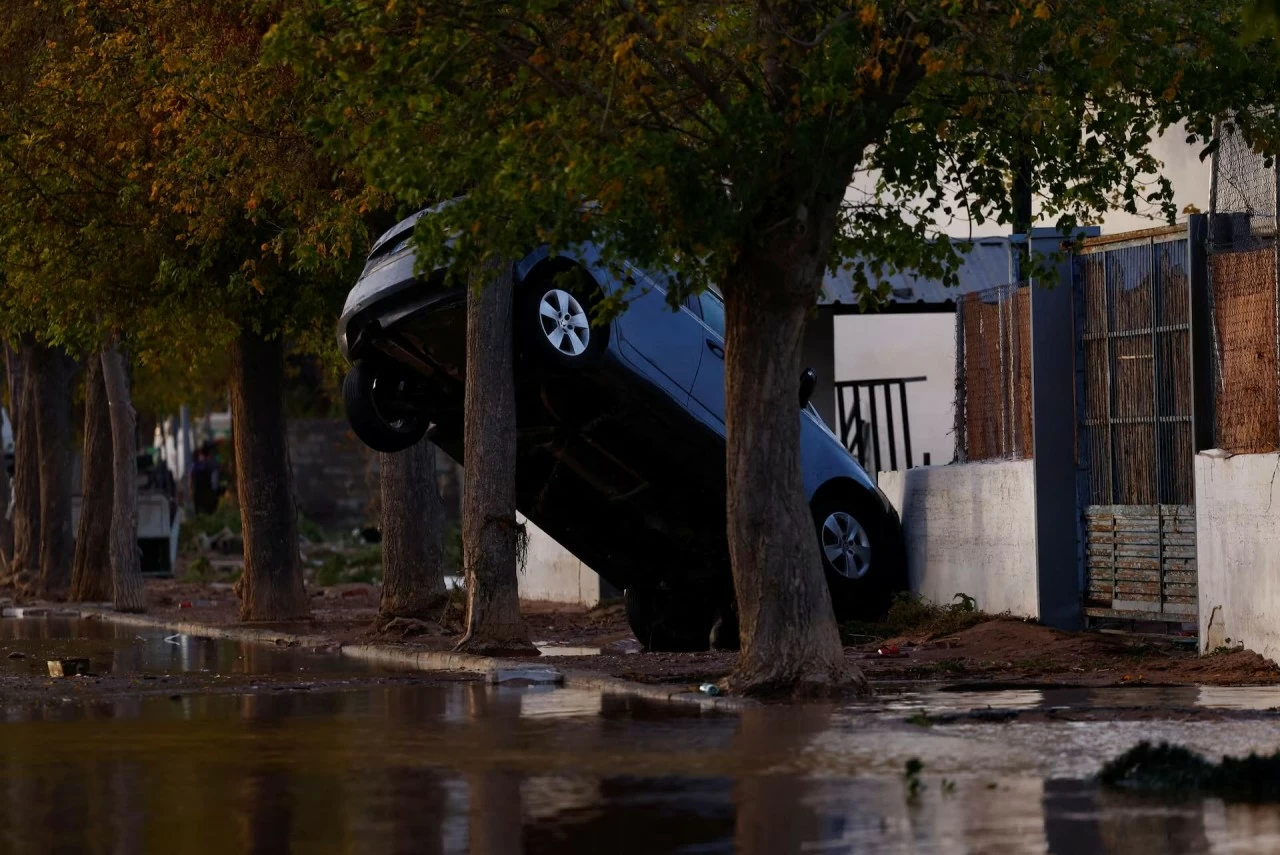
[1015, 652]
[995, 652]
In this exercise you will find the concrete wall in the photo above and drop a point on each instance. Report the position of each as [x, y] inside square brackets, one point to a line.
[553, 575]
[970, 529]
[922, 344]
[1238, 551]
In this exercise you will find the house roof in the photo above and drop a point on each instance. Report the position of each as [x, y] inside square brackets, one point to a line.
[988, 263]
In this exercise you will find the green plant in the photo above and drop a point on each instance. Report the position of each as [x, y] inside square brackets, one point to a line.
[347, 566]
[920, 719]
[915, 786]
[910, 614]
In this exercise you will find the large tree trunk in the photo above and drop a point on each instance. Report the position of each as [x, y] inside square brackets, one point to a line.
[53, 371]
[492, 538]
[790, 642]
[91, 570]
[26, 473]
[271, 587]
[412, 535]
[126, 568]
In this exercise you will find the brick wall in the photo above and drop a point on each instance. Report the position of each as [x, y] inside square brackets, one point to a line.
[335, 476]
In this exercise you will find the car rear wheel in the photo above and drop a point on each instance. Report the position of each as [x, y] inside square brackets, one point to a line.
[378, 410]
[862, 554]
[555, 319]
[666, 620]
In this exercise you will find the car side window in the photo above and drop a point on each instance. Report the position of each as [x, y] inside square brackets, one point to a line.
[712, 311]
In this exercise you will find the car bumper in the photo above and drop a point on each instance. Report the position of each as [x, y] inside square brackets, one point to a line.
[382, 297]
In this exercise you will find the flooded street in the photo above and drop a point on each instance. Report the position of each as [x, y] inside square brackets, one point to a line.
[355, 765]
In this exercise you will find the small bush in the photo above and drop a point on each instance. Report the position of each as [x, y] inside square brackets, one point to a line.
[1176, 770]
[912, 615]
[357, 565]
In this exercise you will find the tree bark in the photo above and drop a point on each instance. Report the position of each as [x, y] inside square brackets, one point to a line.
[790, 642]
[126, 566]
[492, 538]
[271, 587]
[412, 535]
[11, 366]
[26, 473]
[52, 374]
[91, 573]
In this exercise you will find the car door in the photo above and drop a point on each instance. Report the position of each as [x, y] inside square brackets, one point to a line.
[707, 400]
[663, 344]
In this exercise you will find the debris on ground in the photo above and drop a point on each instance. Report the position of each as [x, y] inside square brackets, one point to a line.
[1172, 769]
[68, 667]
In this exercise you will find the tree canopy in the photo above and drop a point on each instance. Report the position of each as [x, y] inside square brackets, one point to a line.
[680, 133]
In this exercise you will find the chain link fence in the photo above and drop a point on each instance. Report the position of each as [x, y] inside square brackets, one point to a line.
[1244, 298]
[993, 374]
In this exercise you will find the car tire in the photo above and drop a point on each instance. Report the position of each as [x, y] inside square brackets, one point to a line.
[372, 414]
[554, 320]
[666, 621]
[862, 553]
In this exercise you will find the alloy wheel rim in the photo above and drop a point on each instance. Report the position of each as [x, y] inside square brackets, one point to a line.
[564, 322]
[846, 545]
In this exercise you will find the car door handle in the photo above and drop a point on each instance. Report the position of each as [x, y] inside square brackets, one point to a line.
[715, 347]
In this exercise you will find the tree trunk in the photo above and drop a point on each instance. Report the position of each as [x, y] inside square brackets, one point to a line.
[6, 485]
[492, 538]
[91, 579]
[26, 473]
[126, 567]
[52, 374]
[412, 535]
[271, 587]
[790, 642]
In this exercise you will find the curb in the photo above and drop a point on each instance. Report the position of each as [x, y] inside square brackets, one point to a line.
[495, 670]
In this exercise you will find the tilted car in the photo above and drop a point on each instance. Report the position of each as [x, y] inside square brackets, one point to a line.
[621, 436]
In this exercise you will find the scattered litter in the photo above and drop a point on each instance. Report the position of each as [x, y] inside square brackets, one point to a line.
[710, 689]
[17, 654]
[518, 674]
[891, 651]
[68, 667]
[171, 639]
[185, 604]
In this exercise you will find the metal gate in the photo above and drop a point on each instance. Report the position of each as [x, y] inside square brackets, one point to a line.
[1135, 442]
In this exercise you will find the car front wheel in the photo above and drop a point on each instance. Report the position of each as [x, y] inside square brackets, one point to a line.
[555, 319]
[378, 412]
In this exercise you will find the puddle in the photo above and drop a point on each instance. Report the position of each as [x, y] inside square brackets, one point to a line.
[114, 649]
[1240, 698]
[474, 768]
[549, 649]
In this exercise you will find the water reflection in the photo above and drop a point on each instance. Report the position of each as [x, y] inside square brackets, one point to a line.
[472, 768]
[115, 649]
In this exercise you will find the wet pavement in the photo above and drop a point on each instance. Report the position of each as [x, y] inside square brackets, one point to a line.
[441, 767]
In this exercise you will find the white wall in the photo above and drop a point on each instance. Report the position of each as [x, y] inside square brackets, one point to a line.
[552, 574]
[1189, 176]
[970, 529]
[874, 347]
[1238, 551]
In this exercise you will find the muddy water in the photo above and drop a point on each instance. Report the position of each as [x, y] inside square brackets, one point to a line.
[464, 767]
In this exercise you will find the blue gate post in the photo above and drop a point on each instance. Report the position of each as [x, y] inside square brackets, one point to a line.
[1059, 572]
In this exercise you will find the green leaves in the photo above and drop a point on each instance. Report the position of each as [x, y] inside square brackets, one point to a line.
[698, 129]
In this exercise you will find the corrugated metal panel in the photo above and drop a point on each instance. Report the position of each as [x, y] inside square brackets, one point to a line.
[988, 264]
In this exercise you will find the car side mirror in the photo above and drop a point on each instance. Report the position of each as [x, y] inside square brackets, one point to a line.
[808, 382]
